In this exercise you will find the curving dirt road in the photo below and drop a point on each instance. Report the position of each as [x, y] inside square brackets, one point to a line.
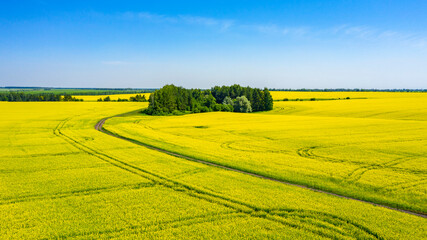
[99, 127]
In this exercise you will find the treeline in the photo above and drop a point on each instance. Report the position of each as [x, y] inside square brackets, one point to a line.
[78, 91]
[35, 97]
[178, 100]
[107, 92]
[346, 90]
[137, 98]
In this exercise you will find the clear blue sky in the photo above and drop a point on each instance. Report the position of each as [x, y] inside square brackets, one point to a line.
[277, 44]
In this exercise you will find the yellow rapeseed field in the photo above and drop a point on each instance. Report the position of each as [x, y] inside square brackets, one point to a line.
[94, 98]
[60, 178]
[373, 149]
[280, 95]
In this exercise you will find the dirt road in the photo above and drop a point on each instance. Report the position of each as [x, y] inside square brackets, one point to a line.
[99, 127]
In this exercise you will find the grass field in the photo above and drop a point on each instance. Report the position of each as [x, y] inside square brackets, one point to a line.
[60, 178]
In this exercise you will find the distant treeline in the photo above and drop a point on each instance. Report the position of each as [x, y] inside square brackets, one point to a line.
[137, 98]
[35, 97]
[178, 100]
[77, 91]
[346, 90]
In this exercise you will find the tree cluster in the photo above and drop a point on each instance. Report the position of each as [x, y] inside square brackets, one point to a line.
[137, 98]
[260, 100]
[35, 97]
[177, 100]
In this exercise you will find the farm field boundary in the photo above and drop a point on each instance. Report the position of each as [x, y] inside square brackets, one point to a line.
[99, 127]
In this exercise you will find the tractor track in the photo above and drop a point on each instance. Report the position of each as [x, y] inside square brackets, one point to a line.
[319, 223]
[99, 126]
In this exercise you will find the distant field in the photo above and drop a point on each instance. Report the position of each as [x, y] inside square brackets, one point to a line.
[280, 95]
[373, 149]
[94, 98]
[289, 95]
[60, 178]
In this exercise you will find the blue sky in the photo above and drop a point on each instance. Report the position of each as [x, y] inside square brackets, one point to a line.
[277, 44]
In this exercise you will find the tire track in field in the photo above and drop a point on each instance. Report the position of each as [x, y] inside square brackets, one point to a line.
[155, 227]
[406, 185]
[254, 149]
[99, 126]
[82, 192]
[41, 155]
[202, 194]
[358, 172]
[325, 219]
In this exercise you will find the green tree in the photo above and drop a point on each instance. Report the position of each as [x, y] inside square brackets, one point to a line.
[257, 100]
[228, 104]
[242, 104]
[227, 101]
[268, 100]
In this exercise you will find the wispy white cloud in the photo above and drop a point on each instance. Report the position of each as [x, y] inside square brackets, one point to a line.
[197, 20]
[388, 34]
[223, 24]
[148, 17]
[273, 29]
[378, 35]
[359, 32]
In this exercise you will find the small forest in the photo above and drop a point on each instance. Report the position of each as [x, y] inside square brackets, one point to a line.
[173, 100]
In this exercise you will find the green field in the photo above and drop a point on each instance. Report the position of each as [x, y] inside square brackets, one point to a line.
[60, 178]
